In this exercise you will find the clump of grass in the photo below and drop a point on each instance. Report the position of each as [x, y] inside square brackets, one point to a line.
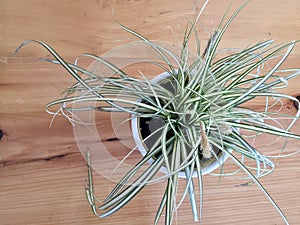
[205, 109]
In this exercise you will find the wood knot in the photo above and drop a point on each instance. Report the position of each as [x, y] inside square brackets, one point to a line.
[295, 103]
[1, 134]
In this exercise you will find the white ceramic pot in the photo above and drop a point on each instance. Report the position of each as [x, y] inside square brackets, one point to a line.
[213, 163]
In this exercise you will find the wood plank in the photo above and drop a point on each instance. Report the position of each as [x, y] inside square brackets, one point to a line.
[52, 192]
[42, 169]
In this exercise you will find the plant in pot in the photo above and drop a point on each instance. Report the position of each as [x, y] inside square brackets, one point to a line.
[190, 118]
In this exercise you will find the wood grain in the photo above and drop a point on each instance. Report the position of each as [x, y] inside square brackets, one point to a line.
[42, 170]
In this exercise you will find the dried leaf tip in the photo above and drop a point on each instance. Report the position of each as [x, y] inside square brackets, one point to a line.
[225, 129]
[205, 145]
[206, 149]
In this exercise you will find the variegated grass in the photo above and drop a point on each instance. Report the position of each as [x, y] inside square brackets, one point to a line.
[205, 109]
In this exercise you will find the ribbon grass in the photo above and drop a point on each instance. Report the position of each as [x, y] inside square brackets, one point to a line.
[205, 110]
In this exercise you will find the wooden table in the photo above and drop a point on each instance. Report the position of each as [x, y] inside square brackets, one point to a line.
[41, 168]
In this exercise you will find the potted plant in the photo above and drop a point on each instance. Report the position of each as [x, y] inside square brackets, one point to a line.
[191, 116]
